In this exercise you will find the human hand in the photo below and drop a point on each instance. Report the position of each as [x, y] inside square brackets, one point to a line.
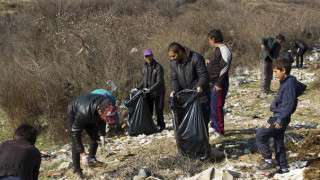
[263, 47]
[207, 62]
[217, 89]
[146, 90]
[199, 89]
[134, 89]
[277, 125]
[172, 93]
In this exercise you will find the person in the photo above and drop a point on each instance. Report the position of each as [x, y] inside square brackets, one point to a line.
[299, 48]
[218, 69]
[104, 126]
[84, 113]
[153, 86]
[19, 158]
[270, 51]
[283, 106]
[188, 71]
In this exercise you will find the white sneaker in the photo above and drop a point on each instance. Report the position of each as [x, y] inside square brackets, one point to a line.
[216, 136]
[211, 130]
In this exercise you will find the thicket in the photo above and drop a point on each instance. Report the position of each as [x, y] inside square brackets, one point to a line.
[54, 50]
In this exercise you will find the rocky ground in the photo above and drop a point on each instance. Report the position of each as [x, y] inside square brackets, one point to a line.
[156, 157]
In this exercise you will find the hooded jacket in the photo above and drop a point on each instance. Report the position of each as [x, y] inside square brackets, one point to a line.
[82, 111]
[286, 101]
[190, 75]
[157, 81]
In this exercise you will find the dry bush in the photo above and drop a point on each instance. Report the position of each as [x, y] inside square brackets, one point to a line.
[55, 50]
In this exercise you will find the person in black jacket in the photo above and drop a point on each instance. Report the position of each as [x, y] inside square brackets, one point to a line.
[283, 106]
[299, 48]
[152, 85]
[188, 71]
[84, 113]
[19, 158]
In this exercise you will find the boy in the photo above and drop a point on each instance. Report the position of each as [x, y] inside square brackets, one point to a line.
[282, 107]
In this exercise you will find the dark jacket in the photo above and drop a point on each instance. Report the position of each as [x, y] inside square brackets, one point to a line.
[82, 111]
[286, 101]
[190, 75]
[298, 44]
[271, 46]
[157, 87]
[20, 159]
[219, 65]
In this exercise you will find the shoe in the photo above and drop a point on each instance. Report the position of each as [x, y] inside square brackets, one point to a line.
[217, 136]
[211, 130]
[93, 162]
[282, 171]
[267, 166]
[79, 175]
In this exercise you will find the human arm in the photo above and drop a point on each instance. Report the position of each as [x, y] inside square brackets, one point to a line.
[159, 78]
[288, 103]
[225, 63]
[174, 82]
[202, 73]
[35, 172]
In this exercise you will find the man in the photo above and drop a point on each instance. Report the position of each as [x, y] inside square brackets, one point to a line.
[270, 51]
[152, 85]
[218, 69]
[188, 71]
[19, 158]
[299, 48]
[84, 113]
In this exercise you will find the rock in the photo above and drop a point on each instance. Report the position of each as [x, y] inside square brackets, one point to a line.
[294, 174]
[144, 172]
[138, 178]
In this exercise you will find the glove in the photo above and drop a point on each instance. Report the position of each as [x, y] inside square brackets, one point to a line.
[146, 90]
[134, 89]
[85, 160]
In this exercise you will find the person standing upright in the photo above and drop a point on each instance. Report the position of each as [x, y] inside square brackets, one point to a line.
[299, 48]
[270, 48]
[188, 71]
[153, 86]
[218, 69]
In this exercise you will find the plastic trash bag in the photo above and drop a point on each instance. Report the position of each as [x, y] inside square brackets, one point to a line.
[140, 120]
[289, 56]
[190, 131]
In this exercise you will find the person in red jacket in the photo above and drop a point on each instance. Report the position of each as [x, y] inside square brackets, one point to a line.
[19, 158]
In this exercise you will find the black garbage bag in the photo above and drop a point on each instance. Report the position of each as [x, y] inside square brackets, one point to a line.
[289, 56]
[140, 120]
[190, 130]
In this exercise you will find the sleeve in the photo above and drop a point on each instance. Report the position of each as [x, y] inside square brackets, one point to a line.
[225, 65]
[263, 41]
[174, 82]
[202, 72]
[287, 104]
[35, 172]
[159, 78]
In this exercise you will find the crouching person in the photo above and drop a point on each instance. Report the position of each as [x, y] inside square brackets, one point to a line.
[86, 113]
[19, 158]
[283, 106]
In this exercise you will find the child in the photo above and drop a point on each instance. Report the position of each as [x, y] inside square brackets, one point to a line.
[282, 107]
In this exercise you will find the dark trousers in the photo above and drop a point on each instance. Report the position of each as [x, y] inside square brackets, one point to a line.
[266, 74]
[217, 101]
[299, 55]
[92, 131]
[205, 107]
[158, 102]
[262, 139]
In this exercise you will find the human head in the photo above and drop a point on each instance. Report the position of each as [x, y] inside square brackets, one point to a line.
[27, 133]
[215, 36]
[176, 51]
[281, 68]
[280, 38]
[148, 55]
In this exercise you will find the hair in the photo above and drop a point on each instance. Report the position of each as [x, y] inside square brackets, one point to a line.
[175, 47]
[27, 133]
[216, 34]
[282, 63]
